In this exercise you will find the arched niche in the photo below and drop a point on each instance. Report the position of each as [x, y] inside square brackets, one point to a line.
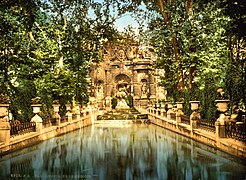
[122, 81]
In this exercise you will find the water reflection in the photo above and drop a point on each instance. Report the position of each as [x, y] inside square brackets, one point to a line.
[122, 152]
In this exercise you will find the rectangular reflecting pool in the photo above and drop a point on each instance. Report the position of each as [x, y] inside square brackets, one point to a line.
[123, 151]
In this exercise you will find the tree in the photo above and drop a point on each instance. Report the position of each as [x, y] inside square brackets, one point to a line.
[16, 61]
[46, 49]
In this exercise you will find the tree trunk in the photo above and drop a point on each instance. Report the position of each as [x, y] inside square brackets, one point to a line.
[189, 11]
[174, 42]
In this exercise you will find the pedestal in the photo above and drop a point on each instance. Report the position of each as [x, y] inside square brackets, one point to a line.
[220, 130]
[178, 116]
[5, 132]
[39, 123]
[56, 114]
[194, 119]
[179, 112]
[69, 113]
[69, 116]
[170, 111]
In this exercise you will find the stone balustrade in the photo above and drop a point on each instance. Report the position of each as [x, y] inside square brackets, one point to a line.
[84, 116]
[194, 120]
[212, 133]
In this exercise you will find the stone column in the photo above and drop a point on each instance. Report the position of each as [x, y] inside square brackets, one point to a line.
[56, 114]
[108, 82]
[69, 113]
[136, 89]
[222, 106]
[170, 110]
[36, 118]
[4, 124]
[195, 115]
[179, 112]
[152, 86]
[162, 109]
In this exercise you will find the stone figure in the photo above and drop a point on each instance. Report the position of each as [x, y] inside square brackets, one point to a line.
[121, 95]
[100, 90]
[144, 90]
[121, 54]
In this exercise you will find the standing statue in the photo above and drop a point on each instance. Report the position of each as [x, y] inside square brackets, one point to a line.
[144, 90]
[100, 91]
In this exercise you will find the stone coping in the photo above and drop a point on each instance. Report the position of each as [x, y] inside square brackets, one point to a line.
[228, 145]
[21, 141]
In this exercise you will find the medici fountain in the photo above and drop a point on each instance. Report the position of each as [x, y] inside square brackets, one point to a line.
[121, 142]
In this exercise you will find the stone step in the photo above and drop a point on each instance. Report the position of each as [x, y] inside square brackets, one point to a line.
[131, 114]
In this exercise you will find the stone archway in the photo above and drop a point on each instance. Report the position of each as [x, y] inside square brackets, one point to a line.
[122, 81]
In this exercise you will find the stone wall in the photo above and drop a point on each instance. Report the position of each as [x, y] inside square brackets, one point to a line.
[28, 139]
[228, 145]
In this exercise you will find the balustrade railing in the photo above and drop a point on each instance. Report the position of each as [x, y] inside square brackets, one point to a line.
[22, 128]
[236, 131]
[64, 119]
[53, 121]
[46, 122]
[207, 124]
[185, 119]
[74, 116]
[173, 116]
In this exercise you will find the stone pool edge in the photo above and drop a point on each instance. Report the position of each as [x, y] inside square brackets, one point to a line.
[228, 145]
[29, 139]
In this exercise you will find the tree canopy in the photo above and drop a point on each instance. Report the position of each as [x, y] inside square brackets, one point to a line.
[47, 45]
[46, 48]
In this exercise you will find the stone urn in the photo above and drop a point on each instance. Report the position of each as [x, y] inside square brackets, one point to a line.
[36, 108]
[4, 123]
[180, 105]
[169, 105]
[36, 104]
[4, 104]
[222, 105]
[3, 110]
[162, 105]
[68, 107]
[56, 107]
[194, 105]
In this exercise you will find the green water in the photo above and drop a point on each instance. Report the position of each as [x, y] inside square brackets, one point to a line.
[130, 151]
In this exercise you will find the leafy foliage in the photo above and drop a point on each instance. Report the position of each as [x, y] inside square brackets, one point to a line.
[200, 45]
[46, 48]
